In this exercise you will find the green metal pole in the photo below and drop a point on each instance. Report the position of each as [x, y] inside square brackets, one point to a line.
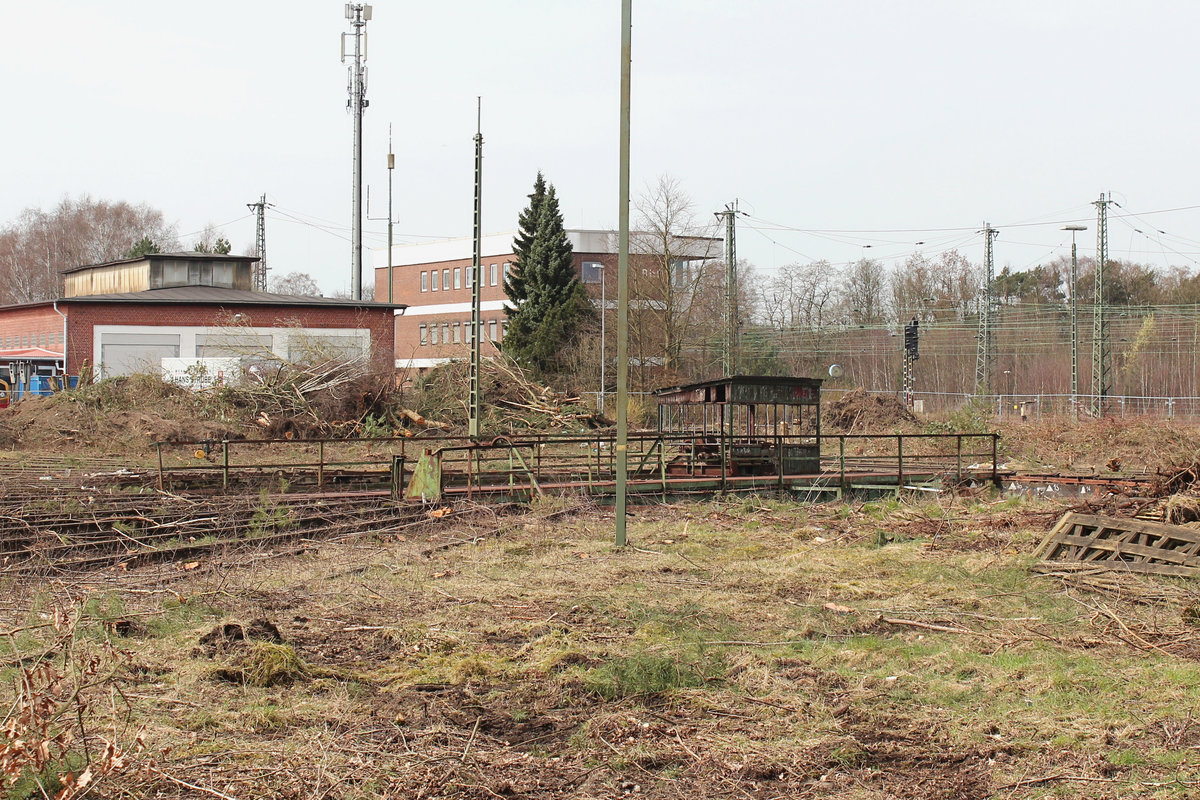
[622, 446]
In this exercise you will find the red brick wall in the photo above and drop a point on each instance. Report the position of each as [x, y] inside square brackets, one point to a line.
[408, 335]
[85, 316]
[406, 282]
[31, 326]
[406, 288]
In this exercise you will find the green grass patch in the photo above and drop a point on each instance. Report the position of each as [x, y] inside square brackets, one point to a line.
[653, 673]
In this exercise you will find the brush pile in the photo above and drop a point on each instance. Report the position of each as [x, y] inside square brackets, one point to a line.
[512, 401]
[329, 397]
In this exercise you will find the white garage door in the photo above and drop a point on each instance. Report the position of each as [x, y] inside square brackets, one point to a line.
[129, 353]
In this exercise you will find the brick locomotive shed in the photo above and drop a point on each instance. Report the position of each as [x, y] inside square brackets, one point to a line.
[128, 316]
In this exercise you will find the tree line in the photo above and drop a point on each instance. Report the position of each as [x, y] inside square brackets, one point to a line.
[40, 243]
[804, 317]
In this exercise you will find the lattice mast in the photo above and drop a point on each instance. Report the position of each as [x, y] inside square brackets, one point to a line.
[1101, 350]
[476, 278]
[729, 355]
[986, 348]
[259, 277]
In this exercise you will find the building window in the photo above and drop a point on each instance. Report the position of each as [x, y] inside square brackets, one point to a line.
[592, 272]
[433, 333]
[424, 334]
[434, 276]
[503, 329]
[681, 273]
[457, 333]
[492, 329]
[424, 281]
[469, 276]
[446, 279]
[504, 271]
[457, 278]
[494, 273]
[445, 333]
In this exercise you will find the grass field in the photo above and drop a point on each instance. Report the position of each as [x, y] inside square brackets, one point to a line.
[749, 648]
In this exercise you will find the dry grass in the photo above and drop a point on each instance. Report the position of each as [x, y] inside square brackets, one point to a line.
[752, 649]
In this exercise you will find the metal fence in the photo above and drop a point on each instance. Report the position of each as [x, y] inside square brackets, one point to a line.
[1034, 406]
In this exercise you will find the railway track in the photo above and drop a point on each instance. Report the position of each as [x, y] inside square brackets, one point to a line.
[62, 516]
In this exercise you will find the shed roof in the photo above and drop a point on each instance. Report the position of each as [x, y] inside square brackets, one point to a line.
[187, 256]
[745, 389]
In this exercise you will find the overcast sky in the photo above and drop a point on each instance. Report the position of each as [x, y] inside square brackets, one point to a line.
[898, 122]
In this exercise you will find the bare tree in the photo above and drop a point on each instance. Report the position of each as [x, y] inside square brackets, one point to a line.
[799, 295]
[866, 283]
[673, 260]
[36, 246]
[211, 240]
[296, 283]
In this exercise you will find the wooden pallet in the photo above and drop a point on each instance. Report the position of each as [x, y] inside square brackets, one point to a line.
[1131, 545]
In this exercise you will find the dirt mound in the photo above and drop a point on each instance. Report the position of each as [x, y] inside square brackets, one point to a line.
[223, 636]
[119, 416]
[859, 412]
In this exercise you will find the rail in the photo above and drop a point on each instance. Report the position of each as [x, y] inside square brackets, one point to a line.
[659, 463]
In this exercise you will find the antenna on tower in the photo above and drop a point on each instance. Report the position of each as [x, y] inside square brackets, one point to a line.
[358, 14]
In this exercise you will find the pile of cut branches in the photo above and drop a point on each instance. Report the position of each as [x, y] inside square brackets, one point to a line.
[512, 401]
[330, 397]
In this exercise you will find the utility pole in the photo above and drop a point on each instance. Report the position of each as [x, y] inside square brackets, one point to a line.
[391, 167]
[1074, 321]
[986, 348]
[476, 277]
[1100, 347]
[622, 443]
[259, 279]
[729, 360]
[359, 15]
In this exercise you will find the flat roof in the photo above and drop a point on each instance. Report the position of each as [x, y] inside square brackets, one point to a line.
[190, 256]
[215, 295]
[584, 241]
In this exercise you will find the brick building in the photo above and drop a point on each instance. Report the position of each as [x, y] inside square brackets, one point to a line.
[142, 313]
[433, 281]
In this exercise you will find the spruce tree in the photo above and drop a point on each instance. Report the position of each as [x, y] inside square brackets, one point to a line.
[514, 283]
[549, 305]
